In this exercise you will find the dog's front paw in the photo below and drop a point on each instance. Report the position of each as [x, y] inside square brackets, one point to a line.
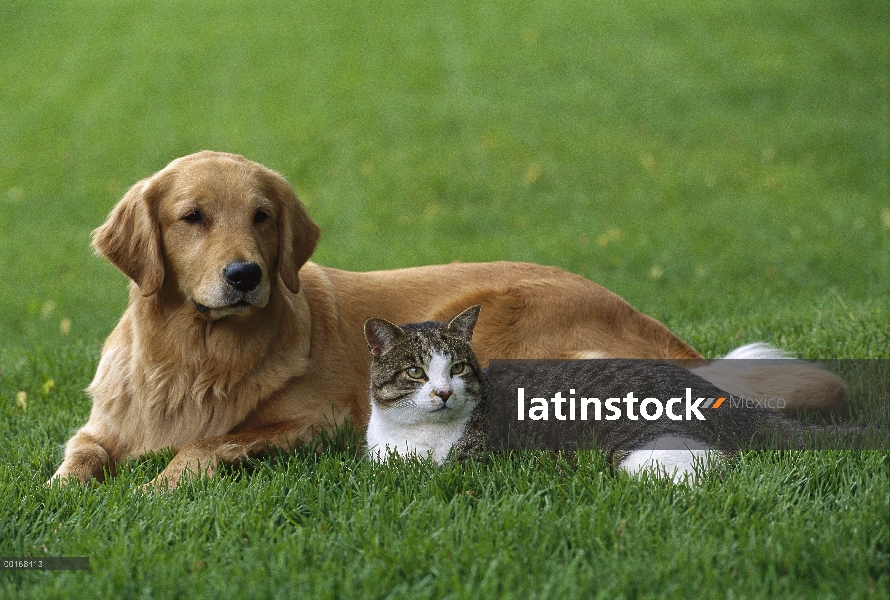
[167, 481]
[61, 481]
[177, 471]
[158, 484]
[75, 471]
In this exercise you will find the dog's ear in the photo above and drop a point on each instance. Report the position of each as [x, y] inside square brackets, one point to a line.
[381, 334]
[297, 232]
[131, 239]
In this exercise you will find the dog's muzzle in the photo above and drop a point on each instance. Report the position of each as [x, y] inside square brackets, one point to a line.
[243, 279]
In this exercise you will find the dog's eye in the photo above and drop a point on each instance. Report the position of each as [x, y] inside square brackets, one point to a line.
[196, 216]
[415, 372]
[261, 216]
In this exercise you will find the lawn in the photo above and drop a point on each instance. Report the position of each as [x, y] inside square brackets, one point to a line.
[724, 166]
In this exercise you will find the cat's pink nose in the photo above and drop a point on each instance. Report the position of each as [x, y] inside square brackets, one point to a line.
[443, 394]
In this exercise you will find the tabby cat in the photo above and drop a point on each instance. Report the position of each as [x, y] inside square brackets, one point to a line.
[430, 397]
[428, 394]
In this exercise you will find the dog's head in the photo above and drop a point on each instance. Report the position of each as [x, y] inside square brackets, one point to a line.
[213, 228]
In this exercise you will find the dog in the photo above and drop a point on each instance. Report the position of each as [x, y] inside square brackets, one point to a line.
[233, 342]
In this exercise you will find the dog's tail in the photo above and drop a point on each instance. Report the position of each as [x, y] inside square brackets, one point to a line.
[781, 382]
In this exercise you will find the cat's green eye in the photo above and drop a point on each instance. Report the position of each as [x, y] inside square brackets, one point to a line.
[415, 372]
[458, 368]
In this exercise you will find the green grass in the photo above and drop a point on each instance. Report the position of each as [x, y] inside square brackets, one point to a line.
[724, 166]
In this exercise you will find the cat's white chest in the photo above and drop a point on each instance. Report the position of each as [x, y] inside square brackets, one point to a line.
[422, 439]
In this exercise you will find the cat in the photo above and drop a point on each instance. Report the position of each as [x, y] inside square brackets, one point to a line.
[429, 397]
[428, 394]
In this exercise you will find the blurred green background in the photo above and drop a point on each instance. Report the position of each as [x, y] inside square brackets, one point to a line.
[721, 165]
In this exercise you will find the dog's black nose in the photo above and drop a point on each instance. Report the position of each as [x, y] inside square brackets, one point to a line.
[243, 276]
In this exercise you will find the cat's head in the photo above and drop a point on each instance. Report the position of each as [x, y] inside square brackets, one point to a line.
[424, 372]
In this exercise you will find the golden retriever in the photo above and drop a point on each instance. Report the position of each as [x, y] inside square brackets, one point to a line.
[233, 342]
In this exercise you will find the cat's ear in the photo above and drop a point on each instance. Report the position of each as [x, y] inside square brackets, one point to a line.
[381, 334]
[464, 323]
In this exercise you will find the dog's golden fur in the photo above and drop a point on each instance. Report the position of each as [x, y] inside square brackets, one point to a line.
[217, 374]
